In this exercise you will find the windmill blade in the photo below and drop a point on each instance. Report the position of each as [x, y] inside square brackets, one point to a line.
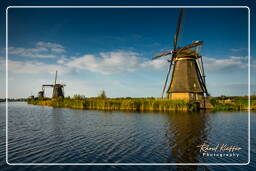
[199, 66]
[167, 77]
[194, 44]
[47, 85]
[203, 73]
[165, 53]
[198, 60]
[198, 48]
[176, 36]
[201, 80]
[55, 77]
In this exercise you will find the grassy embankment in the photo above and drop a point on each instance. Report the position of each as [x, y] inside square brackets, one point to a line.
[144, 104]
[131, 104]
[233, 102]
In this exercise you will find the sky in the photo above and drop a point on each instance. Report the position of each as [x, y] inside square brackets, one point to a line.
[111, 49]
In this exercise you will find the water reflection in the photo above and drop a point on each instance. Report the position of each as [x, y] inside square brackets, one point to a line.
[57, 135]
[185, 133]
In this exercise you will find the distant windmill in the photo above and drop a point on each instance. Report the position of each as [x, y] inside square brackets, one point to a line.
[58, 89]
[188, 76]
[41, 93]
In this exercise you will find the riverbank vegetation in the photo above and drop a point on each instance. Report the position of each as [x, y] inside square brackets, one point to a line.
[233, 102]
[14, 100]
[131, 104]
[101, 102]
[143, 104]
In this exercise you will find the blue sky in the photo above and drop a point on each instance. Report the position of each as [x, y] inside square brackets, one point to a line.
[111, 49]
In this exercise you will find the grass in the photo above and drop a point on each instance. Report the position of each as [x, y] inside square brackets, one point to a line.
[144, 104]
[233, 103]
[131, 104]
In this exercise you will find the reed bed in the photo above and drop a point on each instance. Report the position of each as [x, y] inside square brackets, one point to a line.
[233, 104]
[131, 104]
[142, 104]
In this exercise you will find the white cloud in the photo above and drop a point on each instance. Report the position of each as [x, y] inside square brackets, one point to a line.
[41, 50]
[114, 62]
[127, 61]
[54, 47]
[238, 49]
[31, 67]
[106, 63]
[157, 64]
[243, 58]
[30, 52]
[227, 64]
[62, 60]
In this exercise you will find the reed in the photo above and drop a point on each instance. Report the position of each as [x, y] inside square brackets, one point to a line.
[233, 103]
[142, 104]
[131, 104]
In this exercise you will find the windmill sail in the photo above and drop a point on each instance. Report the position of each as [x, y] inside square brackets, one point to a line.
[176, 38]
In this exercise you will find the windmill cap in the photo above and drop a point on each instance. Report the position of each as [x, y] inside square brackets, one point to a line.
[187, 53]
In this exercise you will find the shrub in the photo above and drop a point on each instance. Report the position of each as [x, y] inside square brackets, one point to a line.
[78, 97]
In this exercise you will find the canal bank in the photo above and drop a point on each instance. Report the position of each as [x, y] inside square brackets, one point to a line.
[140, 104]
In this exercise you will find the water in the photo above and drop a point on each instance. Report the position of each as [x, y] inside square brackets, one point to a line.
[38, 134]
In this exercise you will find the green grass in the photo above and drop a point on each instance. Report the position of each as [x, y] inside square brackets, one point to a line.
[132, 104]
[143, 104]
[233, 103]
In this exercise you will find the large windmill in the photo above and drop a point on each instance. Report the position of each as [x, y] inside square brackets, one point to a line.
[188, 76]
[58, 89]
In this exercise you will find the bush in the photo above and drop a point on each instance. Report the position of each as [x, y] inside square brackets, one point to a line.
[78, 97]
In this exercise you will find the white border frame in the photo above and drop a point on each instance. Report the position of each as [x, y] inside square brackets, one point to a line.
[249, 74]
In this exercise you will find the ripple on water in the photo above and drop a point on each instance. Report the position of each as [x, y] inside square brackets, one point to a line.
[44, 134]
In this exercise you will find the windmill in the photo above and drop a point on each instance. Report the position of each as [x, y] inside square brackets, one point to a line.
[188, 76]
[58, 89]
[41, 93]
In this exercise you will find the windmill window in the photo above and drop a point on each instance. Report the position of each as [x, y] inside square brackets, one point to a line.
[195, 85]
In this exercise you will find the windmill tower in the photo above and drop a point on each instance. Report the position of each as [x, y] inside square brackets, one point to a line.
[188, 76]
[58, 89]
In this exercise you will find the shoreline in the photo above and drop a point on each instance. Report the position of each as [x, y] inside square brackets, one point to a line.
[116, 104]
[140, 104]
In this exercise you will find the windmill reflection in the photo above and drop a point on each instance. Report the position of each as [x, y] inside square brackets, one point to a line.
[186, 131]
